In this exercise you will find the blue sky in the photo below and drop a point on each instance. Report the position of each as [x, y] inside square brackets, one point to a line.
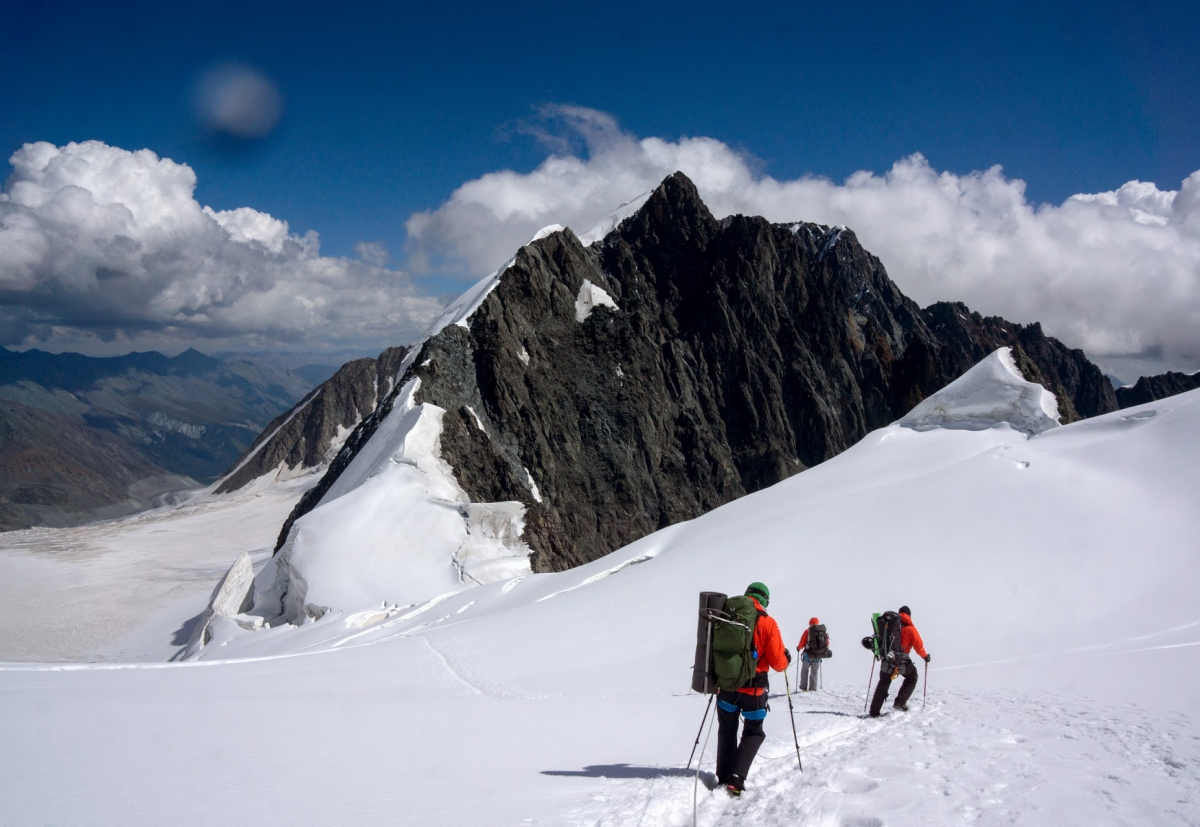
[389, 108]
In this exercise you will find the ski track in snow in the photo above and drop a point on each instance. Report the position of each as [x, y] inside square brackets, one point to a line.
[961, 760]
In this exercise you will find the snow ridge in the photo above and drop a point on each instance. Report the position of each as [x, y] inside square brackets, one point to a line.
[613, 220]
[395, 526]
[992, 393]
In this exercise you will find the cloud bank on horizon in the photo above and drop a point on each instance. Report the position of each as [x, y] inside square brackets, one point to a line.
[100, 244]
[1115, 273]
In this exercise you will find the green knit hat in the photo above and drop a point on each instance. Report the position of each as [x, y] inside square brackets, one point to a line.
[760, 591]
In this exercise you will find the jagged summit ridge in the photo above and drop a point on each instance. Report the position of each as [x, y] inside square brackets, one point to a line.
[728, 356]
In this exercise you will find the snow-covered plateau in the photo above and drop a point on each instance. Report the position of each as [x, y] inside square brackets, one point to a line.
[1051, 571]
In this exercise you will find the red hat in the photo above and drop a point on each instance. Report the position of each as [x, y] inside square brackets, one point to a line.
[812, 621]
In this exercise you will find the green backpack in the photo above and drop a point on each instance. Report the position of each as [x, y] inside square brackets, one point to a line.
[734, 658]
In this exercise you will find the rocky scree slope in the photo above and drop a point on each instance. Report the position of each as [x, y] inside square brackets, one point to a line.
[682, 362]
[303, 437]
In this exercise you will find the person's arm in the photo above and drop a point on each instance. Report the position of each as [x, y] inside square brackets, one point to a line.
[803, 640]
[918, 645]
[778, 656]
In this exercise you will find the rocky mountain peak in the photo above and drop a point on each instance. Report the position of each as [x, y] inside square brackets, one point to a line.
[677, 363]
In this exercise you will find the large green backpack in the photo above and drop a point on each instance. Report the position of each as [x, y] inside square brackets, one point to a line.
[733, 655]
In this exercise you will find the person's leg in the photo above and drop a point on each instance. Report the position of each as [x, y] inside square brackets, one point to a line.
[881, 693]
[754, 710]
[727, 732]
[805, 673]
[815, 678]
[910, 683]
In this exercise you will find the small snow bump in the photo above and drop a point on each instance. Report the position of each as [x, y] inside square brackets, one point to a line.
[991, 393]
[590, 297]
[547, 231]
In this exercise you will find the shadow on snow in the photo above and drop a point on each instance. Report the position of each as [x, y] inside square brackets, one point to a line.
[624, 771]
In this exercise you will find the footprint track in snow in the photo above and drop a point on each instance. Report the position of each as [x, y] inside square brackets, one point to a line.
[984, 757]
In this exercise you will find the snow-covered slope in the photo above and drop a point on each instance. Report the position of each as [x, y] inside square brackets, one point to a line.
[394, 523]
[1026, 560]
[1051, 576]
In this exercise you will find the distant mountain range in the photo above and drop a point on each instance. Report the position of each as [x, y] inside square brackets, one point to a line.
[84, 438]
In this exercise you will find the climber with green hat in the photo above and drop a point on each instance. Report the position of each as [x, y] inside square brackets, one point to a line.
[760, 592]
[750, 701]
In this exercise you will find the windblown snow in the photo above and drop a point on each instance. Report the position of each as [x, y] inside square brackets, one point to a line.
[1051, 571]
[613, 220]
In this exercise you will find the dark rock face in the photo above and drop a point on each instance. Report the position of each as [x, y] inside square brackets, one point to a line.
[1081, 388]
[1152, 388]
[303, 437]
[740, 352]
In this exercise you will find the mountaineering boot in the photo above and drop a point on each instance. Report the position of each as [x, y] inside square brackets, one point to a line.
[735, 785]
[901, 706]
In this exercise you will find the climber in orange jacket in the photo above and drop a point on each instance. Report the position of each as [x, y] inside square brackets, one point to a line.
[910, 639]
[750, 702]
[813, 646]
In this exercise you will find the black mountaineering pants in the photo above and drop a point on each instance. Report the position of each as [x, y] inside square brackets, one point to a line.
[733, 757]
[908, 671]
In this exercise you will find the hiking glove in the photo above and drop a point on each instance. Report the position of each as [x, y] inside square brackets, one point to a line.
[927, 658]
[789, 656]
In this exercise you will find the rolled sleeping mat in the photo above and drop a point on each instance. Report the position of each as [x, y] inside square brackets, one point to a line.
[703, 679]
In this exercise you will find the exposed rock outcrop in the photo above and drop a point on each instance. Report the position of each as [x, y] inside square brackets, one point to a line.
[681, 362]
[303, 437]
[1153, 388]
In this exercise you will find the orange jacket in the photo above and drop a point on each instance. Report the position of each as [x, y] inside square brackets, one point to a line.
[812, 621]
[910, 638]
[768, 642]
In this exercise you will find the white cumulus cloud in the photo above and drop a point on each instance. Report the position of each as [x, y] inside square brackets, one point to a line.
[1113, 272]
[99, 243]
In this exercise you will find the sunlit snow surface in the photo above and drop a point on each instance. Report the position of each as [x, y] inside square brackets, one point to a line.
[1052, 577]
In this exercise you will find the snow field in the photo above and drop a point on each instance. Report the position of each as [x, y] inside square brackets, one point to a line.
[1052, 578]
[968, 758]
[122, 589]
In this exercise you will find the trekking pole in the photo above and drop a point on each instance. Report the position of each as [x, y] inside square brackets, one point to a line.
[696, 783]
[792, 716]
[799, 657]
[925, 690]
[702, 720]
[867, 700]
